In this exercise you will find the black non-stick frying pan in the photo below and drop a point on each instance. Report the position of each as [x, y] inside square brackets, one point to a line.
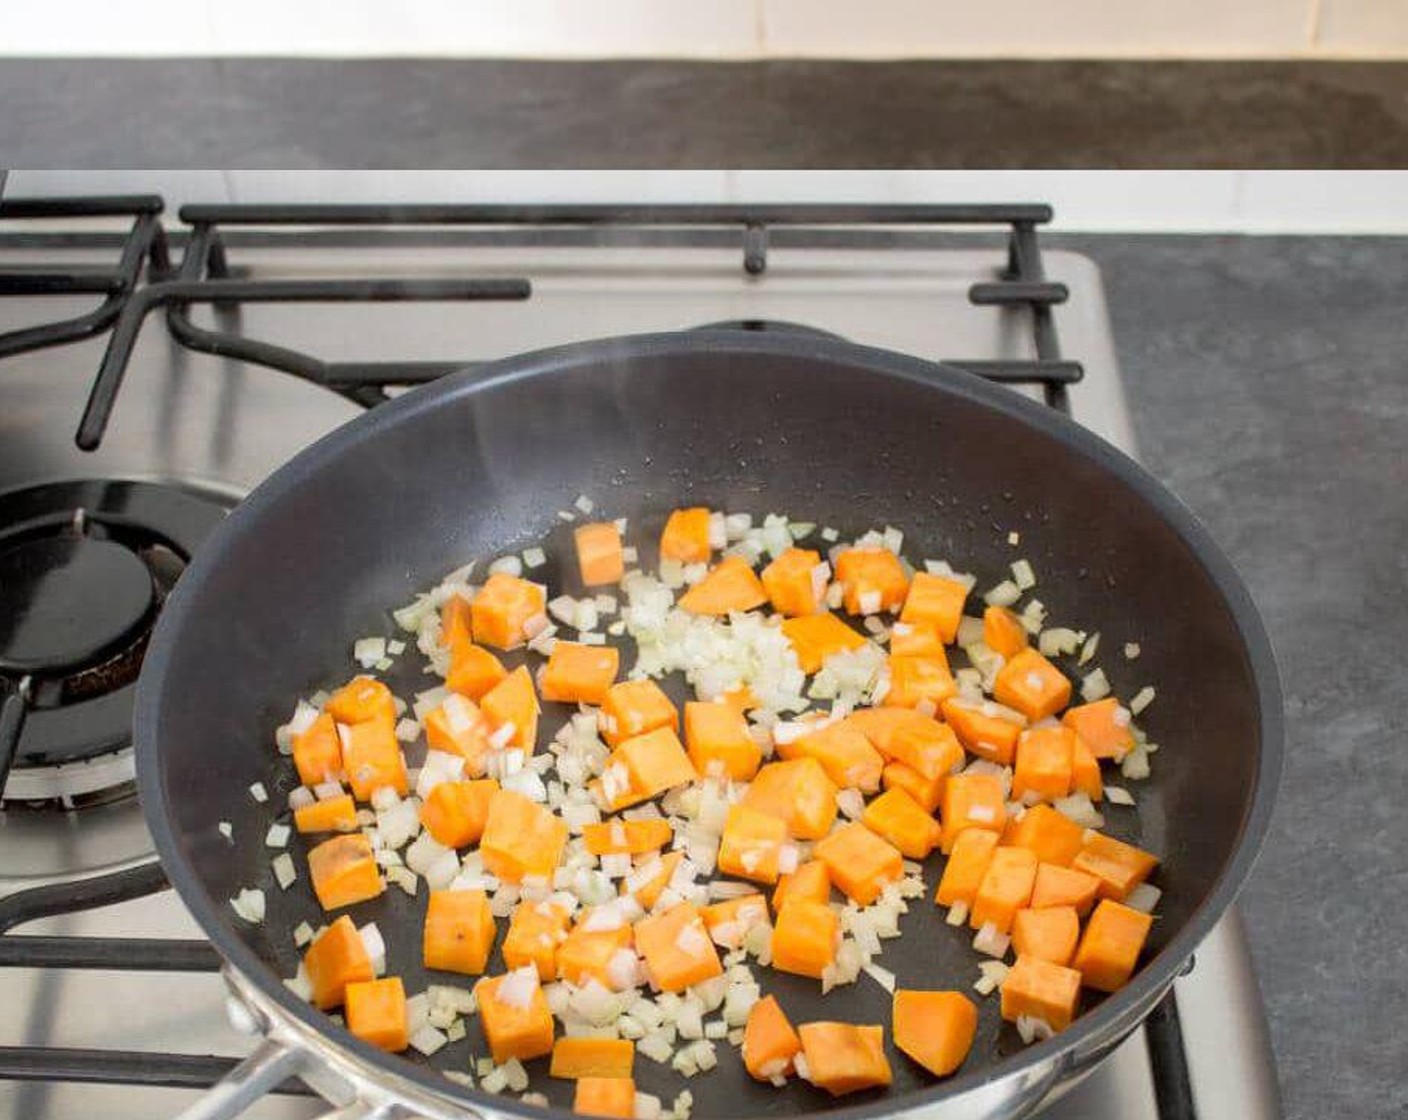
[477, 465]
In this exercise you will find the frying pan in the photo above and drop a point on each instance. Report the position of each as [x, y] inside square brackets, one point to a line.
[478, 464]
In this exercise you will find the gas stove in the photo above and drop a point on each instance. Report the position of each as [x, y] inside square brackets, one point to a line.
[281, 323]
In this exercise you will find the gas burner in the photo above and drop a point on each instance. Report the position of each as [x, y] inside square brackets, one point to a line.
[84, 569]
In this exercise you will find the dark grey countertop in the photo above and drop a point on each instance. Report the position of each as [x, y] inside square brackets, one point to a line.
[1268, 378]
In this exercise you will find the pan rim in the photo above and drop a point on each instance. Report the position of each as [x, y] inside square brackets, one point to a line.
[1148, 984]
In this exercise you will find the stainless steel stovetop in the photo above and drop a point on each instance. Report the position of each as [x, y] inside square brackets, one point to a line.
[219, 427]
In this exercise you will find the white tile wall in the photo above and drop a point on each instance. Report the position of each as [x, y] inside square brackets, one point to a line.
[711, 28]
[1330, 202]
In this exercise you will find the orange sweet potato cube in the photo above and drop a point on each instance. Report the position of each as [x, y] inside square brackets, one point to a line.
[1103, 726]
[1085, 771]
[718, 740]
[811, 882]
[937, 602]
[516, 1020]
[927, 792]
[1006, 888]
[455, 813]
[650, 878]
[902, 821]
[371, 756]
[843, 1058]
[925, 745]
[456, 622]
[751, 844]
[1003, 632]
[815, 637]
[873, 579]
[730, 586]
[317, 752]
[521, 838]
[633, 708]
[919, 682]
[971, 801]
[458, 726]
[676, 948]
[337, 957]
[575, 1058]
[966, 866]
[936, 1029]
[652, 763]
[605, 1096]
[473, 670]
[859, 862]
[332, 814]
[376, 1013]
[600, 558]
[1042, 990]
[797, 792]
[1110, 948]
[686, 536]
[1032, 685]
[586, 953]
[843, 752]
[805, 937]
[609, 838]
[796, 582]
[911, 640]
[459, 931]
[513, 701]
[1049, 934]
[1051, 835]
[361, 699]
[1045, 757]
[344, 871]
[769, 1042]
[1120, 867]
[1064, 886]
[534, 933]
[729, 921]
[982, 730]
[502, 609]
[577, 673]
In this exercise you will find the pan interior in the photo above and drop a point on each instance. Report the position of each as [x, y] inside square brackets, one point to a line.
[359, 523]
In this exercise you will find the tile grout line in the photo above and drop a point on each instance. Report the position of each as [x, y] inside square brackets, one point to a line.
[1313, 25]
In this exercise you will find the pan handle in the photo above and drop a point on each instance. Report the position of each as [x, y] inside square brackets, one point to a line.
[269, 1066]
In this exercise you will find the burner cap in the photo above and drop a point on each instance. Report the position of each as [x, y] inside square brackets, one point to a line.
[67, 601]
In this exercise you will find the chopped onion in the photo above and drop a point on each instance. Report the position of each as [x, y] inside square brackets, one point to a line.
[1095, 686]
[534, 557]
[285, 874]
[368, 651]
[993, 973]
[517, 988]
[1143, 897]
[1142, 699]
[1079, 808]
[882, 976]
[992, 942]
[1118, 795]
[957, 913]
[375, 946]
[1022, 575]
[258, 792]
[249, 905]
[1003, 595]
[584, 504]
[1088, 650]
[1059, 640]
[1033, 1029]
[300, 797]
[226, 829]
[277, 836]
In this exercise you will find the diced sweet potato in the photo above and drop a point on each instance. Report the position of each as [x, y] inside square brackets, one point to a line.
[575, 1058]
[1104, 727]
[344, 872]
[473, 670]
[859, 862]
[1006, 888]
[609, 838]
[982, 730]
[361, 699]
[686, 536]
[843, 752]
[927, 792]
[676, 948]
[729, 921]
[371, 756]
[811, 882]
[1120, 867]
[1114, 938]
[769, 1042]
[376, 1013]
[517, 1024]
[332, 814]
[971, 801]
[514, 701]
[1051, 835]
[843, 1058]
[1085, 771]
[534, 933]
[937, 602]
[796, 582]
[1041, 990]
[873, 579]
[805, 937]
[317, 752]
[1045, 757]
[815, 637]
[1064, 886]
[633, 708]
[730, 586]
[919, 682]
[1032, 685]
[751, 844]
[1050, 934]
[650, 878]
[645, 767]
[605, 1096]
[909, 639]
[718, 740]
[521, 838]
[966, 866]
[502, 609]
[1003, 632]
[455, 813]
[459, 931]
[600, 558]
[586, 953]
[577, 673]
[902, 821]
[936, 1029]
[457, 726]
[337, 957]
[456, 622]
[925, 745]
[797, 792]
